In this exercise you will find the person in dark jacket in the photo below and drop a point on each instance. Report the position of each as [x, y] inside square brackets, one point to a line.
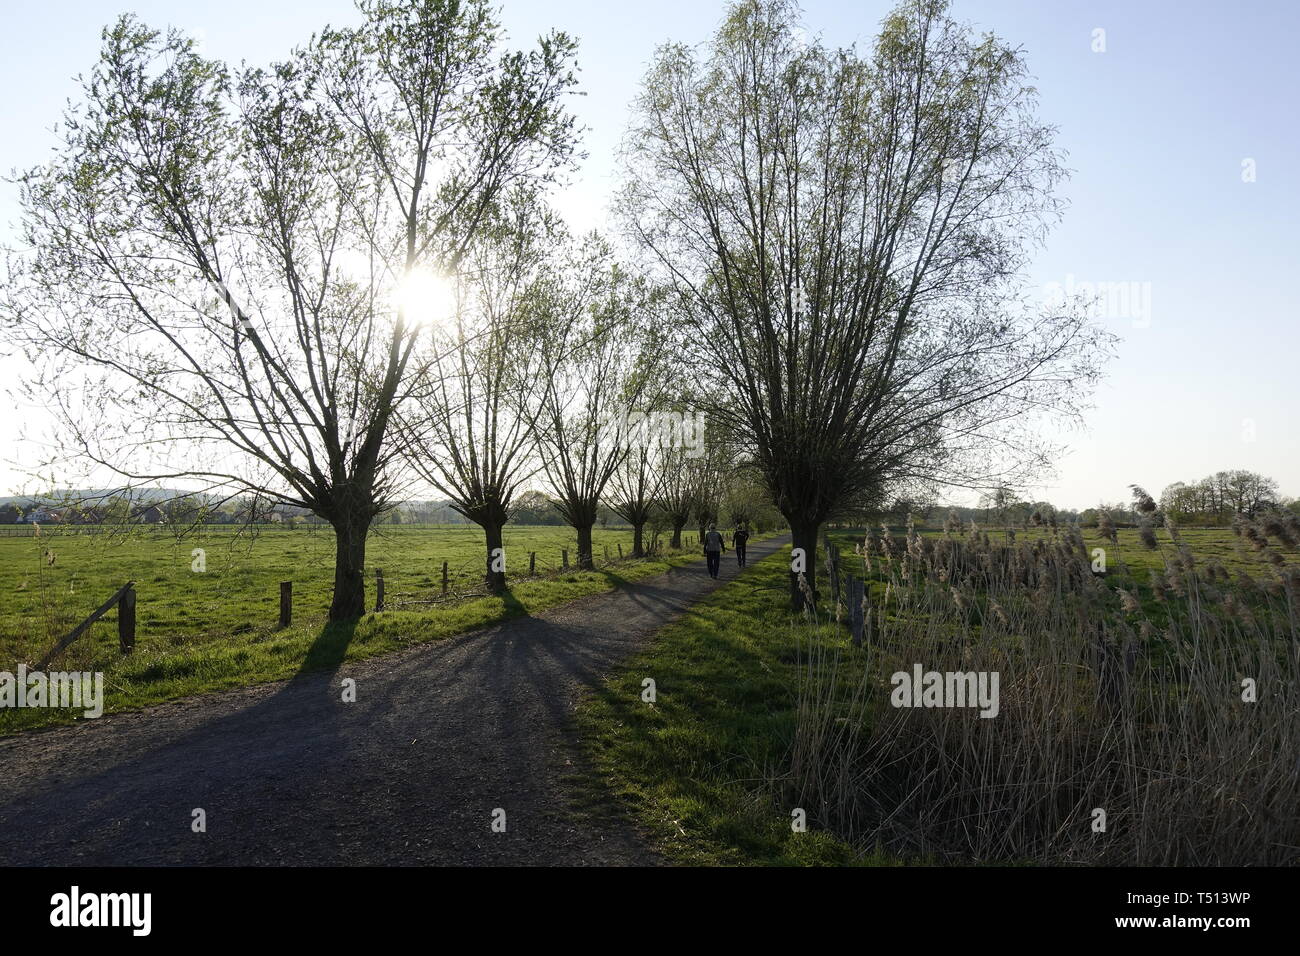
[714, 545]
[739, 538]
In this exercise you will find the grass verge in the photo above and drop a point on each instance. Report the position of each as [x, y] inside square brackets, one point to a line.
[693, 767]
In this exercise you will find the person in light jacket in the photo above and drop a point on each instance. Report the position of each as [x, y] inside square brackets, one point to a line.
[714, 545]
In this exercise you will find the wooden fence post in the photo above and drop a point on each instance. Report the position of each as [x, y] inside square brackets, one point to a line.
[126, 621]
[620, 550]
[532, 563]
[564, 558]
[444, 577]
[286, 603]
[379, 589]
[833, 571]
[607, 554]
[857, 588]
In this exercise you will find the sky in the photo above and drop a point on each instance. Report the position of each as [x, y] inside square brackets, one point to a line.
[1178, 120]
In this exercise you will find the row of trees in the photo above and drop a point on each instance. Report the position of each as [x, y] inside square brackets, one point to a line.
[1214, 500]
[1218, 498]
[846, 236]
[329, 280]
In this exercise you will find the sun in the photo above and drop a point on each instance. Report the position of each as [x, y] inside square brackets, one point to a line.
[426, 298]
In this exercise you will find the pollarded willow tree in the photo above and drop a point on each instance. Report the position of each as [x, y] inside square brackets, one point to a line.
[651, 432]
[745, 500]
[695, 457]
[709, 473]
[213, 283]
[676, 496]
[635, 485]
[849, 233]
[470, 429]
[601, 356]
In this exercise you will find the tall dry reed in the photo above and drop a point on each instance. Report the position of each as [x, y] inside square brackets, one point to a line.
[1106, 704]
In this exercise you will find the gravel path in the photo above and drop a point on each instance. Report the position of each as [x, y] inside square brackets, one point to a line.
[439, 737]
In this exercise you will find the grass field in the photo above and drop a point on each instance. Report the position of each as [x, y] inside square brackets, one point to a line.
[203, 631]
[239, 590]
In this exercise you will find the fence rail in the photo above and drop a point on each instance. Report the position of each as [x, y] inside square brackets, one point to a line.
[124, 599]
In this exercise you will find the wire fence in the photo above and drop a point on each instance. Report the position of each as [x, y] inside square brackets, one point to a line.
[40, 529]
[468, 579]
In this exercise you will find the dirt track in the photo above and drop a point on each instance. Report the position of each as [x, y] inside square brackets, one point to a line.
[440, 736]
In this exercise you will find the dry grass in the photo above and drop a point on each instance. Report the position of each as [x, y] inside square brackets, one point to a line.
[1108, 702]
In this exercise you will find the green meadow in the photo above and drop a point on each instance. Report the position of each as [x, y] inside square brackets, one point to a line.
[204, 630]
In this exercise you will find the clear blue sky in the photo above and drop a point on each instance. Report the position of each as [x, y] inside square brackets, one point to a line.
[1156, 128]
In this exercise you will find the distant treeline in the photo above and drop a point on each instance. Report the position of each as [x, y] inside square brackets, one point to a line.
[183, 510]
[1215, 500]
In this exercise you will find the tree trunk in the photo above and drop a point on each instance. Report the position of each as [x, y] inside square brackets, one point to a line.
[349, 569]
[638, 534]
[585, 561]
[677, 534]
[495, 580]
[803, 535]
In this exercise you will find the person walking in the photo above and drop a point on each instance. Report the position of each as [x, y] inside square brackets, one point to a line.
[714, 545]
[739, 538]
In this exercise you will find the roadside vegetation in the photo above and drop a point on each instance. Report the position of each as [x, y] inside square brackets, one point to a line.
[1165, 693]
[694, 766]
